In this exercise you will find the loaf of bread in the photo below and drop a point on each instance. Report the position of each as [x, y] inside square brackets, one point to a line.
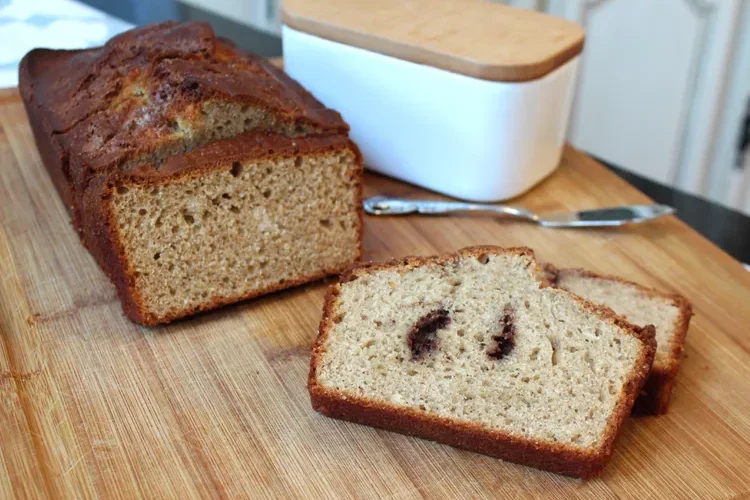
[196, 174]
[669, 313]
[472, 349]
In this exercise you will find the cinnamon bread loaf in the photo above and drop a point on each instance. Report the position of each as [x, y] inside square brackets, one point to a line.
[195, 173]
[669, 313]
[472, 349]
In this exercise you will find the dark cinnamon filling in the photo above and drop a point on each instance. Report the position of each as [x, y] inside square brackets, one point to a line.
[504, 340]
[422, 338]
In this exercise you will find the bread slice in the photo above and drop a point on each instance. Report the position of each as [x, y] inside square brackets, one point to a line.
[669, 313]
[472, 349]
[231, 220]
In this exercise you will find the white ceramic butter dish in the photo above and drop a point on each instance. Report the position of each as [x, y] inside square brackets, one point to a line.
[465, 97]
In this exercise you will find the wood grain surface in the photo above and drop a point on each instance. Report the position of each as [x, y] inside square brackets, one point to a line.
[486, 40]
[216, 406]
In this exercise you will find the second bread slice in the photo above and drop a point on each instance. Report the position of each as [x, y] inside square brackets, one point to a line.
[471, 349]
[669, 313]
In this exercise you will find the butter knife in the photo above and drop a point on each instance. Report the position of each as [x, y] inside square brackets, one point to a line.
[600, 217]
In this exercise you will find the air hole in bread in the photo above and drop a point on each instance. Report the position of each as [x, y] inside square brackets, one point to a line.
[234, 209]
[157, 255]
[554, 346]
[122, 190]
[236, 169]
[587, 357]
[142, 212]
[298, 161]
[325, 223]
[267, 193]
[188, 218]
[483, 258]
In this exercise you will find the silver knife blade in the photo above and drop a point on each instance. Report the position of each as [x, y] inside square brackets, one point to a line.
[604, 217]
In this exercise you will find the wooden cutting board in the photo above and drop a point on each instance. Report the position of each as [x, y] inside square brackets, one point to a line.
[216, 406]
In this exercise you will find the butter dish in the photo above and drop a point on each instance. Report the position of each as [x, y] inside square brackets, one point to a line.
[468, 98]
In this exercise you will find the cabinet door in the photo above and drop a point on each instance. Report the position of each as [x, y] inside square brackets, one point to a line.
[650, 85]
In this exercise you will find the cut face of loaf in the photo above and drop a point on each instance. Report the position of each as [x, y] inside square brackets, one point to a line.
[669, 313]
[472, 350]
[228, 221]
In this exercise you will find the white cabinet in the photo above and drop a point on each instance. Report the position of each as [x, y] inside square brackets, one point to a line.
[662, 89]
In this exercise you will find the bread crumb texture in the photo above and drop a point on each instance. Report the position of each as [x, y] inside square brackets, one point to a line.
[528, 361]
[243, 227]
[632, 303]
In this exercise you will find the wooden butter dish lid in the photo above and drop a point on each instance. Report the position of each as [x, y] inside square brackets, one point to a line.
[476, 38]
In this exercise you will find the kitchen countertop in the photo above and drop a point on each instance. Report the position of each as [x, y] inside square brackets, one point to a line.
[66, 24]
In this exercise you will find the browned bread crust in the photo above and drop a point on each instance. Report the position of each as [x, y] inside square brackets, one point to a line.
[657, 391]
[104, 244]
[94, 110]
[556, 457]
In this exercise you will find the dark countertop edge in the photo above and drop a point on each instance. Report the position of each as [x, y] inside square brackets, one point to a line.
[726, 228]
